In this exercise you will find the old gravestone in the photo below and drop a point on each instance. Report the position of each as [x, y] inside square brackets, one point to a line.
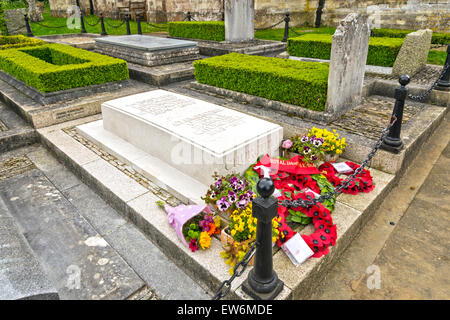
[413, 55]
[15, 21]
[347, 65]
[239, 20]
[34, 12]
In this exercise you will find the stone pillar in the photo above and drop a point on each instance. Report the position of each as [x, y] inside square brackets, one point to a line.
[347, 65]
[239, 20]
[413, 55]
[34, 13]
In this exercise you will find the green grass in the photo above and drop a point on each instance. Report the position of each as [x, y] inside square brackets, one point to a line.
[39, 30]
[14, 4]
[278, 34]
[437, 57]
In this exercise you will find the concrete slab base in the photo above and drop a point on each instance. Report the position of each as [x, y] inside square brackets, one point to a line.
[138, 202]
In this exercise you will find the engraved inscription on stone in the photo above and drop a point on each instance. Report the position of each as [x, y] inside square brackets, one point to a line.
[160, 105]
[211, 122]
[68, 114]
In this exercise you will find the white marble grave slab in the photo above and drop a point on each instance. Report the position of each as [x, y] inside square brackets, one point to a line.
[191, 135]
[146, 43]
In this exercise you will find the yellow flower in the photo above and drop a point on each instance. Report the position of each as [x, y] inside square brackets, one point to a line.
[233, 232]
[205, 240]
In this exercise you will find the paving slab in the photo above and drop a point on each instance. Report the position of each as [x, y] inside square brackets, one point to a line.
[71, 252]
[21, 275]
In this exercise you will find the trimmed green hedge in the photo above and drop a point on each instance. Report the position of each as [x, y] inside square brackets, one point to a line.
[382, 51]
[300, 83]
[55, 67]
[204, 30]
[438, 38]
[8, 42]
[3, 29]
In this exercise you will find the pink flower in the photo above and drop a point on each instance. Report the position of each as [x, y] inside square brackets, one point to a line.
[287, 144]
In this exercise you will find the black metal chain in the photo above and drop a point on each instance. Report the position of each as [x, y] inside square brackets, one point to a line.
[433, 86]
[298, 34]
[344, 184]
[225, 287]
[92, 25]
[272, 26]
[106, 21]
[154, 25]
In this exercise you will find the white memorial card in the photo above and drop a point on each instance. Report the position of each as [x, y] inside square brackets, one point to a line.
[297, 250]
[342, 167]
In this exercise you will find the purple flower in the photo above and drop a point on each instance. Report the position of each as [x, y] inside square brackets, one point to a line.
[287, 144]
[232, 196]
[306, 150]
[241, 204]
[219, 183]
[223, 204]
[317, 143]
[304, 139]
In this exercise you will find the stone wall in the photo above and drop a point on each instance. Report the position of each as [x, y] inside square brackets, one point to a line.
[403, 14]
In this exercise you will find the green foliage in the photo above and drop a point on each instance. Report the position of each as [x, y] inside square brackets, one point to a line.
[55, 67]
[3, 29]
[278, 34]
[382, 51]
[300, 83]
[438, 38]
[204, 30]
[9, 42]
[14, 4]
[437, 57]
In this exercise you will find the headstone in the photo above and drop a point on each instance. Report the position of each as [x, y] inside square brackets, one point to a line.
[193, 136]
[413, 55]
[239, 20]
[15, 21]
[347, 64]
[34, 13]
[147, 50]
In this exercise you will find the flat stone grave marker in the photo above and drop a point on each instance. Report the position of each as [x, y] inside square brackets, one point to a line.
[192, 136]
[147, 50]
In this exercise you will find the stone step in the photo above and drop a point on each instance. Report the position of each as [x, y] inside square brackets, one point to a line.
[21, 275]
[207, 267]
[14, 132]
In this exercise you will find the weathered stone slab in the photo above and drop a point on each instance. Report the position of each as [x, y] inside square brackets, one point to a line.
[413, 54]
[193, 136]
[239, 20]
[15, 21]
[79, 262]
[347, 64]
[147, 50]
[21, 275]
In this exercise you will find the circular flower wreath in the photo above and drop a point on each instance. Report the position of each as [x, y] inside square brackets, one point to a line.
[290, 185]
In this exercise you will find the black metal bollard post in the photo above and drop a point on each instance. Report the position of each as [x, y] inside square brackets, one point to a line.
[444, 83]
[262, 282]
[83, 28]
[393, 142]
[102, 24]
[138, 21]
[91, 7]
[286, 27]
[127, 21]
[189, 16]
[27, 24]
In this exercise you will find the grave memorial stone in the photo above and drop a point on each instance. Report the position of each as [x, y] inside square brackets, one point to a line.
[147, 50]
[191, 136]
[414, 53]
[347, 64]
[239, 20]
[15, 22]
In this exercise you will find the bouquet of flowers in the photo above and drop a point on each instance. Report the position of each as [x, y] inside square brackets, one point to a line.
[332, 143]
[242, 229]
[310, 148]
[199, 229]
[229, 193]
